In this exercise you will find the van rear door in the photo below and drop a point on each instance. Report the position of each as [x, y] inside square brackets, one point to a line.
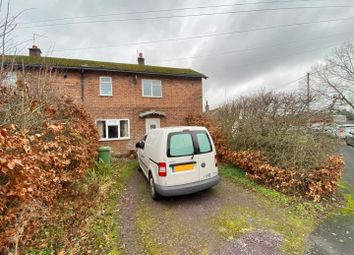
[205, 155]
[182, 165]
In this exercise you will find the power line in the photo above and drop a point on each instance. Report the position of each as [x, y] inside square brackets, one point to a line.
[174, 9]
[287, 55]
[293, 54]
[208, 35]
[252, 48]
[187, 15]
[292, 81]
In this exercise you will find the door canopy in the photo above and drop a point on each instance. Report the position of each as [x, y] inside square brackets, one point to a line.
[151, 113]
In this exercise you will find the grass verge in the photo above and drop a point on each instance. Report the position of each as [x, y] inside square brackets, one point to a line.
[348, 204]
[302, 207]
[83, 219]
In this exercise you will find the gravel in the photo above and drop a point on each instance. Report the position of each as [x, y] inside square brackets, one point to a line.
[254, 243]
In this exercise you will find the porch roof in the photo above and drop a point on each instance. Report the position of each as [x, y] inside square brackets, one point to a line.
[151, 112]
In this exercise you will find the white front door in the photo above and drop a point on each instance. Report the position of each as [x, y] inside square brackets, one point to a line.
[152, 124]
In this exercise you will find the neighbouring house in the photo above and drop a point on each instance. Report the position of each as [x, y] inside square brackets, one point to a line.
[124, 100]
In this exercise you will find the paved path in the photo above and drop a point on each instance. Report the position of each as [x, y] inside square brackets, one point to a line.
[336, 234]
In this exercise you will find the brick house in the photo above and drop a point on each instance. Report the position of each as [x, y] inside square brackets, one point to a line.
[124, 100]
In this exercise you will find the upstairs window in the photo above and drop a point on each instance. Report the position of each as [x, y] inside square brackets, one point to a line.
[151, 88]
[113, 129]
[105, 86]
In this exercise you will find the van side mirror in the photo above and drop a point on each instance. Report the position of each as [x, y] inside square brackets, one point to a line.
[139, 145]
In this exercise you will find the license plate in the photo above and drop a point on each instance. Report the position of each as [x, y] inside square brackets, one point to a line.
[182, 168]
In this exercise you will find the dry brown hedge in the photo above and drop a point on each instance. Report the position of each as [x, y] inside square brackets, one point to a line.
[314, 184]
[34, 166]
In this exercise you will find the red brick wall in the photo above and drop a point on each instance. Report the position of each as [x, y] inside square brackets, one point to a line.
[180, 97]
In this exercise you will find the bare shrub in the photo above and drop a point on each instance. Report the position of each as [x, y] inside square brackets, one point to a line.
[279, 126]
[314, 184]
[28, 102]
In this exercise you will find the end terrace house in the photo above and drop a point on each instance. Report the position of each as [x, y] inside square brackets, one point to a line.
[124, 100]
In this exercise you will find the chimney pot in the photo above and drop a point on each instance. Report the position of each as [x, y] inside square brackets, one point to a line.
[35, 51]
[141, 60]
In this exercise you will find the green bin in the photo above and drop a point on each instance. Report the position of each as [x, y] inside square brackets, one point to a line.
[104, 153]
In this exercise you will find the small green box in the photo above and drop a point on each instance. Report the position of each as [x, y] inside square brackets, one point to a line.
[104, 153]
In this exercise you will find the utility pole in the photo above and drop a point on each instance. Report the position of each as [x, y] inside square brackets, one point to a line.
[308, 91]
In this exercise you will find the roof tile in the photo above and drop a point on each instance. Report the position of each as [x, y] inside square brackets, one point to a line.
[100, 65]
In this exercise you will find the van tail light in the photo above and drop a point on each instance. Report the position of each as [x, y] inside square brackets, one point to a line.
[216, 160]
[340, 130]
[162, 169]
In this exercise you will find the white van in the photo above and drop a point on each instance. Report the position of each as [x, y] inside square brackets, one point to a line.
[178, 160]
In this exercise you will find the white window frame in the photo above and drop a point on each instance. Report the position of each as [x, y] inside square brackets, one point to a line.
[10, 79]
[151, 90]
[114, 139]
[105, 77]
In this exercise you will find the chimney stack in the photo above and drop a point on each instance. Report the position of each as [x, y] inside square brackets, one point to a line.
[35, 51]
[141, 60]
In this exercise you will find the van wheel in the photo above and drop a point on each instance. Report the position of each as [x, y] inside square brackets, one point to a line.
[155, 196]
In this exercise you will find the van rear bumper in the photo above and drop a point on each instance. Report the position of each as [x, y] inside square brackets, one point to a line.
[184, 189]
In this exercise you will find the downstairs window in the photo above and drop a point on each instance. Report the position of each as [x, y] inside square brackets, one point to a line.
[113, 129]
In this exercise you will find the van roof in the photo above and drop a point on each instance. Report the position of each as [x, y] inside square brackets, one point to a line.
[184, 127]
[180, 128]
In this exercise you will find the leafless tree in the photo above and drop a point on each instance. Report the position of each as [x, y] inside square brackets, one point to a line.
[332, 81]
[8, 44]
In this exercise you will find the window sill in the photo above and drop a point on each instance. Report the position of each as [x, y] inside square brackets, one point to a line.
[106, 95]
[152, 96]
[114, 139]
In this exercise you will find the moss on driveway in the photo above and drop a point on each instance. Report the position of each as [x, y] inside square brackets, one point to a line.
[216, 221]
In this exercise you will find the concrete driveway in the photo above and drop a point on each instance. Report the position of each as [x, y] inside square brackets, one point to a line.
[336, 234]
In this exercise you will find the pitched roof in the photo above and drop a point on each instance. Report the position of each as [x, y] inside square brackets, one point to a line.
[66, 63]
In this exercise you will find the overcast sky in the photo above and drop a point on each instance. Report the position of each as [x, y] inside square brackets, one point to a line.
[236, 63]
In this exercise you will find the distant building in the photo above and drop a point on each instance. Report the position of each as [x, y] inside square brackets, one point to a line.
[339, 119]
